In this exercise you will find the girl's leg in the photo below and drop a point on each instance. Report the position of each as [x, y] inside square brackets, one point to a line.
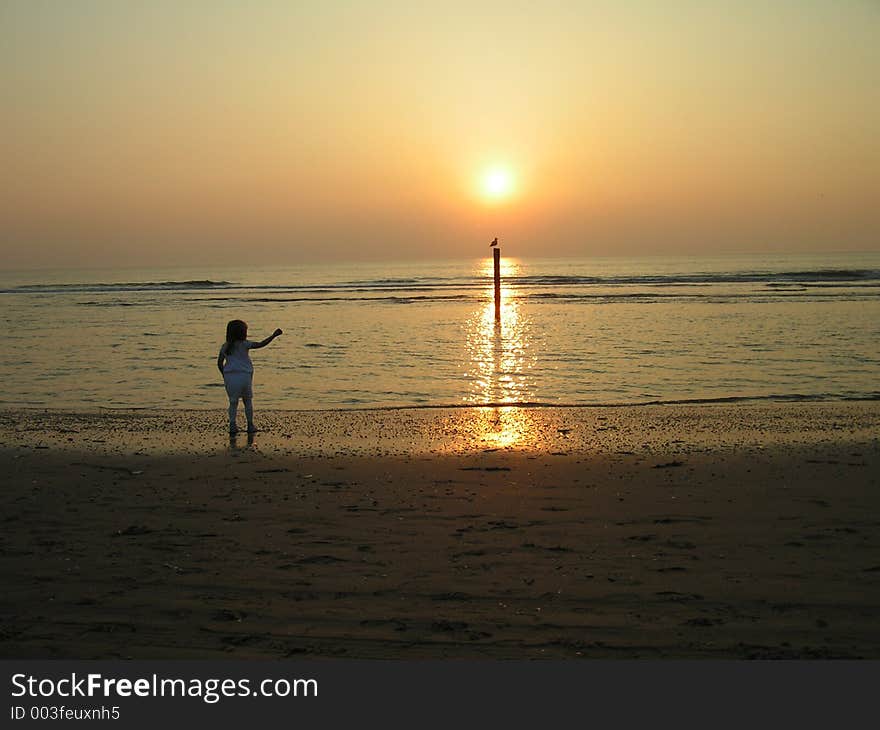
[247, 394]
[249, 413]
[233, 412]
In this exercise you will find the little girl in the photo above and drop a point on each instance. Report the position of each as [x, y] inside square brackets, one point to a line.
[238, 370]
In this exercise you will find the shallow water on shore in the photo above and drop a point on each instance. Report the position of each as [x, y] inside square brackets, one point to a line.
[424, 334]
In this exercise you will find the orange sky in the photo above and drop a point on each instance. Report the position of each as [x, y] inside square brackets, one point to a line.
[147, 133]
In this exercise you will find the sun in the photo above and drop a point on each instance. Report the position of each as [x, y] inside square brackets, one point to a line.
[497, 183]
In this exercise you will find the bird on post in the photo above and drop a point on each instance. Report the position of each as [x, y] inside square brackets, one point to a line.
[494, 243]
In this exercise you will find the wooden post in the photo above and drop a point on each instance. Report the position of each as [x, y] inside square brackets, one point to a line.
[496, 256]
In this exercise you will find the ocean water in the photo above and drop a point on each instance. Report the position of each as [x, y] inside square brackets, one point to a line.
[590, 331]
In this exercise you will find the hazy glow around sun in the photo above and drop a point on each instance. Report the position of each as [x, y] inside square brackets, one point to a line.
[497, 183]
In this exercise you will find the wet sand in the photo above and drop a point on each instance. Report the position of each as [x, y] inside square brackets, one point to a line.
[716, 531]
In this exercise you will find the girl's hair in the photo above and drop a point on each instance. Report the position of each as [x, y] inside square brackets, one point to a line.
[236, 331]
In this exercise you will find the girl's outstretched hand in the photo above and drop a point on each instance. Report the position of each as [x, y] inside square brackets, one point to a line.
[277, 333]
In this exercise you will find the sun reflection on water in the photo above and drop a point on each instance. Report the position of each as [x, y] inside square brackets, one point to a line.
[500, 361]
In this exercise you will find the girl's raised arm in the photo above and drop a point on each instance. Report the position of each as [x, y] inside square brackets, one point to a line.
[276, 333]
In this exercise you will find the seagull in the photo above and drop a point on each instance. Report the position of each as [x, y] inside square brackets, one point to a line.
[494, 243]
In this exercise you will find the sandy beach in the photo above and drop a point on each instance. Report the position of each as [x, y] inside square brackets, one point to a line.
[700, 531]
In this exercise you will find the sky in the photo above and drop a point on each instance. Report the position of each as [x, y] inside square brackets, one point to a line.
[189, 133]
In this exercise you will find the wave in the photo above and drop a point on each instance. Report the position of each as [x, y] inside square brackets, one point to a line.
[534, 298]
[352, 406]
[719, 400]
[118, 287]
[817, 277]
[706, 279]
[772, 283]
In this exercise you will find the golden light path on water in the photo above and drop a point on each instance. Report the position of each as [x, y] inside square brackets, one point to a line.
[500, 362]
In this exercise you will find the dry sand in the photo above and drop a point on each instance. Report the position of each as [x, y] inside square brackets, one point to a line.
[716, 531]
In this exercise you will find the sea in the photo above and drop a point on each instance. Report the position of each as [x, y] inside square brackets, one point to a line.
[589, 331]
